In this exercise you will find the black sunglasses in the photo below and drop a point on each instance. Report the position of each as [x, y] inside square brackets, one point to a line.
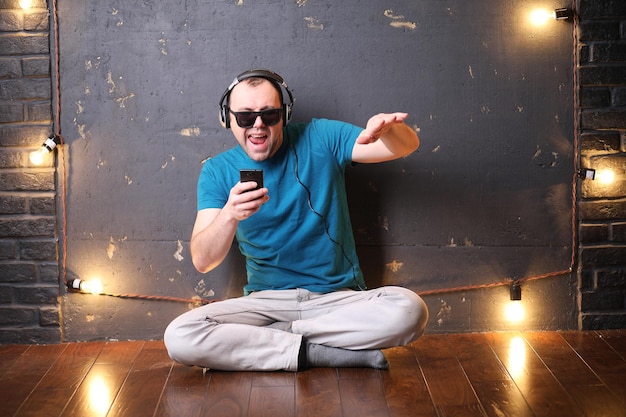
[246, 119]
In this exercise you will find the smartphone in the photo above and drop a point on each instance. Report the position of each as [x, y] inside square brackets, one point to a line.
[255, 175]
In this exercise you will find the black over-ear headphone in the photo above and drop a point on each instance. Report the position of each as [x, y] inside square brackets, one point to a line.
[254, 73]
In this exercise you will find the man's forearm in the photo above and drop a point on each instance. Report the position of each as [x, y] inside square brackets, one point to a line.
[210, 246]
[386, 137]
[400, 139]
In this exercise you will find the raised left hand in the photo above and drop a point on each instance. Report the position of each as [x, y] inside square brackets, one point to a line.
[378, 124]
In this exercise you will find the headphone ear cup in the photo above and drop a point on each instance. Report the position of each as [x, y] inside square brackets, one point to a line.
[287, 113]
[224, 119]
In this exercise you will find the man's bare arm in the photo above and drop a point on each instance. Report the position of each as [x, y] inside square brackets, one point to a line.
[386, 137]
[214, 228]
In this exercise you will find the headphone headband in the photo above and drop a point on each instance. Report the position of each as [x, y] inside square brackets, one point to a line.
[256, 73]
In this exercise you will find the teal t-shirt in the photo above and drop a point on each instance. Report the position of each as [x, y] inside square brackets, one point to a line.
[302, 237]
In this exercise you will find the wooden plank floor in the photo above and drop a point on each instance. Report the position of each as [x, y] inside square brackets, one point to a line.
[539, 374]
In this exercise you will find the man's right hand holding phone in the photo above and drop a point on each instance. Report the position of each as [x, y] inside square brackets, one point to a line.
[245, 200]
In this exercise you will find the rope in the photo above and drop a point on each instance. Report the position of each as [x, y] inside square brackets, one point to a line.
[56, 126]
[492, 285]
[160, 298]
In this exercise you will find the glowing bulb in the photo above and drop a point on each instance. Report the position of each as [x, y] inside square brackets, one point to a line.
[26, 4]
[93, 286]
[39, 156]
[539, 17]
[605, 176]
[514, 312]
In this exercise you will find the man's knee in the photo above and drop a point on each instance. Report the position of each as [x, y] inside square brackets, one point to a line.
[180, 338]
[173, 343]
[186, 338]
[412, 312]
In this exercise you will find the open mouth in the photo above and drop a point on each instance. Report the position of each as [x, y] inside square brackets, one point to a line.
[257, 139]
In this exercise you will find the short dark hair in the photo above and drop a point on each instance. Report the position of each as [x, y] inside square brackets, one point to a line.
[254, 81]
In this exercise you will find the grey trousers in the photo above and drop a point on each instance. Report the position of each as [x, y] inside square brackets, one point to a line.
[231, 334]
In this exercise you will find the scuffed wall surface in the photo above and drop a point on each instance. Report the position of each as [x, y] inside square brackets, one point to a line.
[487, 196]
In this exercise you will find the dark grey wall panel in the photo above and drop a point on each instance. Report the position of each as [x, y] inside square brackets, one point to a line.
[486, 197]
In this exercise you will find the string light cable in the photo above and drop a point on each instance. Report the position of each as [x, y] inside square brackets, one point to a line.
[56, 125]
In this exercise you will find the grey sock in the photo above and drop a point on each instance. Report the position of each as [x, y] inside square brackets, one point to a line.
[285, 326]
[312, 355]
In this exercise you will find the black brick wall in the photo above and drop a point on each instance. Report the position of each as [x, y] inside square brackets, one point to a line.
[602, 208]
[29, 273]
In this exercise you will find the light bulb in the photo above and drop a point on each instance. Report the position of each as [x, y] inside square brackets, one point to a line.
[39, 156]
[514, 312]
[26, 4]
[539, 17]
[93, 286]
[605, 176]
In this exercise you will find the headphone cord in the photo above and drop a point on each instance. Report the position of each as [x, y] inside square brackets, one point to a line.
[324, 220]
